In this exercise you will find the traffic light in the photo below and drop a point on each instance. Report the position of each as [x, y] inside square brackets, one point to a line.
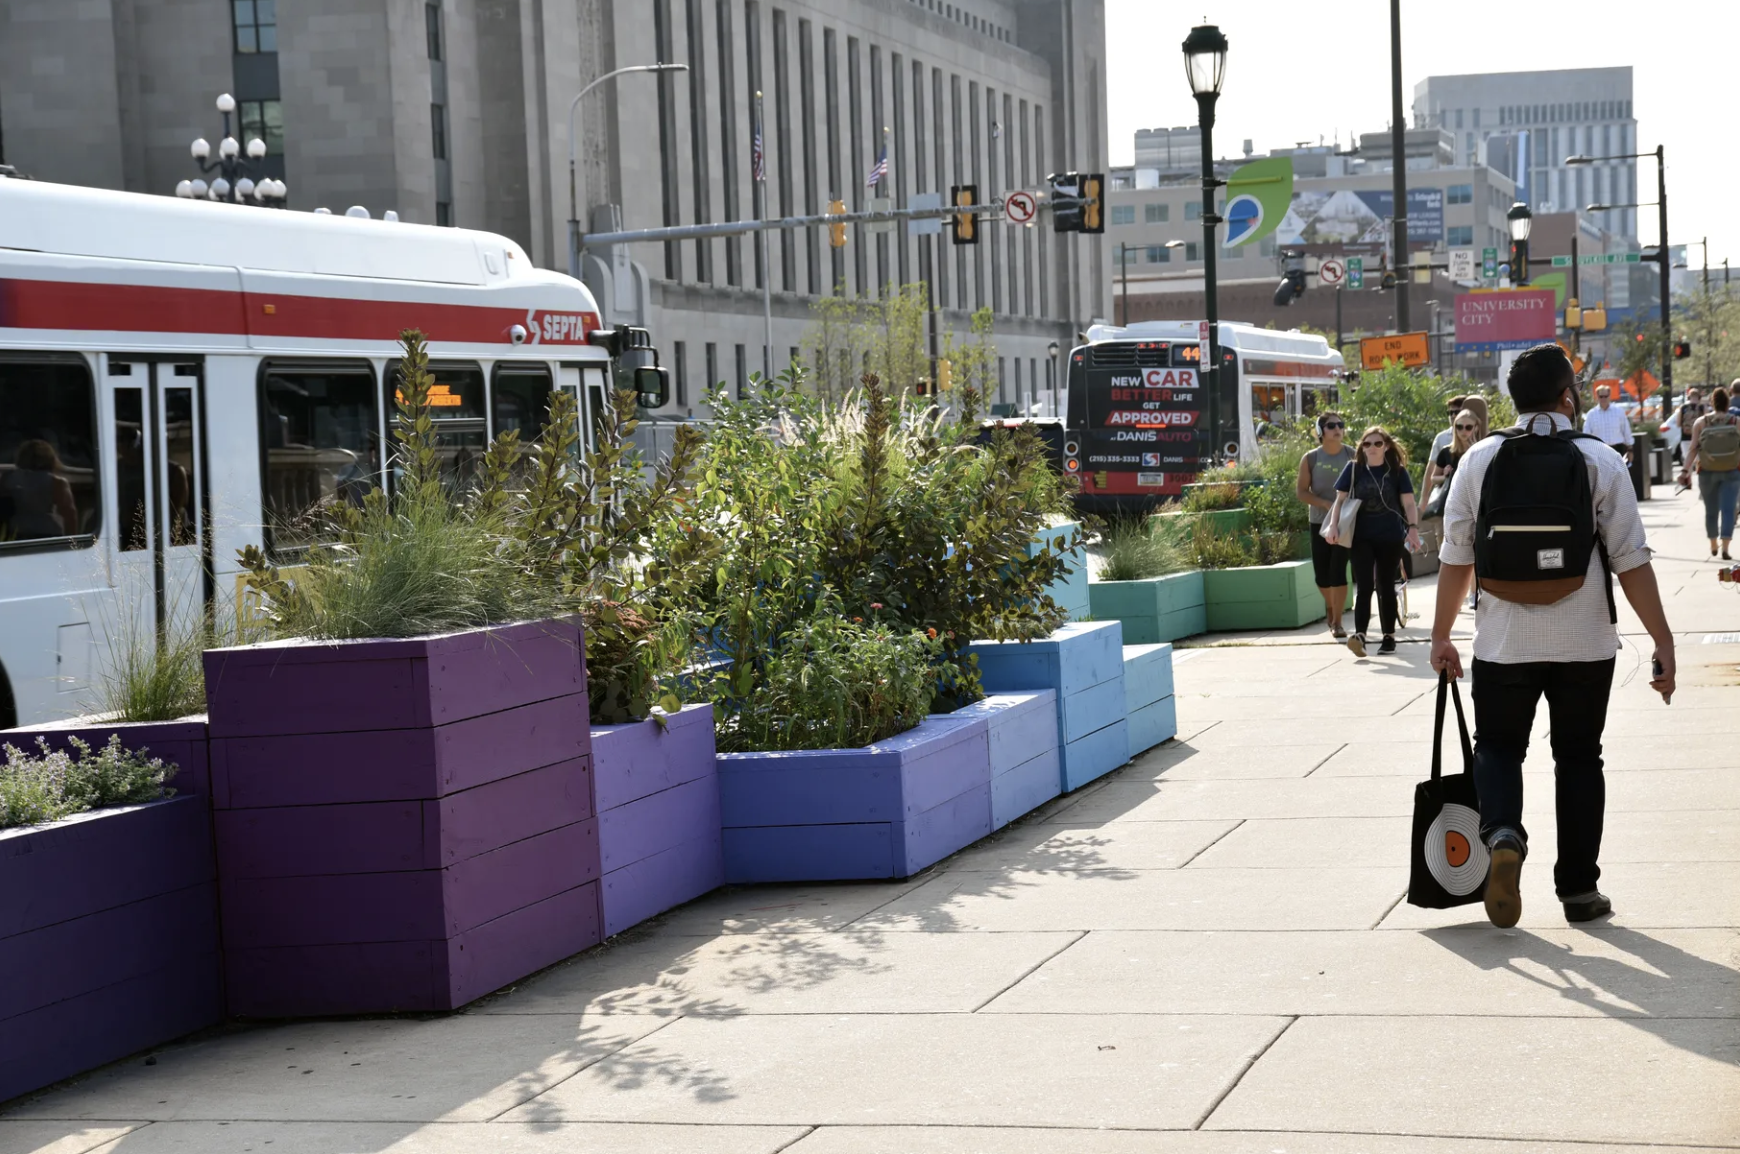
[837, 232]
[1093, 218]
[1595, 319]
[1519, 262]
[945, 375]
[966, 225]
[1066, 206]
[1682, 349]
[1292, 279]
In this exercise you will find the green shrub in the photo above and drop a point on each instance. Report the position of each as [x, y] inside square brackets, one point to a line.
[1134, 552]
[50, 784]
[1274, 506]
[1211, 549]
[1208, 496]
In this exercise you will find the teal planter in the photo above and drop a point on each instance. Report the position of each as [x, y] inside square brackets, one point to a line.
[1071, 590]
[1153, 609]
[1179, 526]
[1280, 596]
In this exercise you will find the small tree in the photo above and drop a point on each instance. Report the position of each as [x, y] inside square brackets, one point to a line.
[974, 360]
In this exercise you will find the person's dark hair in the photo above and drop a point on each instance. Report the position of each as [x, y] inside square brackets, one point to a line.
[1395, 457]
[1538, 377]
[37, 456]
[1454, 404]
[1719, 399]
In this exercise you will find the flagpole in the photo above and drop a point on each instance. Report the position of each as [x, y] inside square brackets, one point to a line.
[766, 268]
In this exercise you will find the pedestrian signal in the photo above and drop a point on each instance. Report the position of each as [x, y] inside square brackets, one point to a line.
[1682, 349]
[837, 232]
[966, 225]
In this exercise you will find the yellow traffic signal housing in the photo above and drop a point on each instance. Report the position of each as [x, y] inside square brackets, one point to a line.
[837, 232]
[966, 225]
[1092, 212]
[1573, 314]
[945, 375]
[1595, 319]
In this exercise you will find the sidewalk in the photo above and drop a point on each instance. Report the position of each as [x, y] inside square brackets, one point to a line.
[1206, 952]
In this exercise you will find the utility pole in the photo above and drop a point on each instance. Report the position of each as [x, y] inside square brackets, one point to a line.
[761, 214]
[1667, 326]
[1399, 140]
[1123, 284]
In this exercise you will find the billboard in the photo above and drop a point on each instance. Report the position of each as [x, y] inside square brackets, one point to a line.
[1360, 218]
[1494, 321]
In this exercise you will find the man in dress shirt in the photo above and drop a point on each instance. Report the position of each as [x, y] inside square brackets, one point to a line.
[1564, 651]
[1609, 423]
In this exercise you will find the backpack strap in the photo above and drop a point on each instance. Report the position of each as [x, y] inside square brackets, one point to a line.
[1600, 545]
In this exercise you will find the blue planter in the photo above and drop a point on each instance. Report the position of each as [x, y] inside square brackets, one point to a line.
[1071, 590]
[1083, 664]
[1021, 731]
[1148, 696]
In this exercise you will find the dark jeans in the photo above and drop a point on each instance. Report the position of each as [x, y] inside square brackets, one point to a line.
[1378, 562]
[1504, 712]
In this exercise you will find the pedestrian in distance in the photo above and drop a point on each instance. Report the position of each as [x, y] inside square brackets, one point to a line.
[1611, 425]
[1715, 456]
[1468, 430]
[1387, 524]
[1447, 434]
[1319, 469]
[1690, 408]
[1541, 516]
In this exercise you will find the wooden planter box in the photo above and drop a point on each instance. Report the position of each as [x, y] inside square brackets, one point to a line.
[1153, 609]
[657, 797]
[1178, 526]
[1148, 696]
[1021, 733]
[108, 938]
[1282, 596]
[1083, 664]
[401, 825]
[883, 811]
[1071, 590]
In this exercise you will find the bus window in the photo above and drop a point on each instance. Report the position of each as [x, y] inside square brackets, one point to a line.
[456, 407]
[520, 400]
[1314, 401]
[48, 452]
[320, 442]
[1268, 407]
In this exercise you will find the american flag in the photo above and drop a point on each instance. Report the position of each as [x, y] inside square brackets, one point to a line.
[880, 172]
[757, 157]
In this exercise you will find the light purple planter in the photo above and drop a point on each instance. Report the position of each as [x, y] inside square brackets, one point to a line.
[657, 793]
[401, 825]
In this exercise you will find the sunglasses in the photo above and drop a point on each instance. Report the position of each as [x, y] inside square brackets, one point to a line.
[1373, 445]
[1465, 428]
[1334, 425]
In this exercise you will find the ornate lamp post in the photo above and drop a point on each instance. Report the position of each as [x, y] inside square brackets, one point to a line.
[234, 183]
[1205, 66]
[1520, 221]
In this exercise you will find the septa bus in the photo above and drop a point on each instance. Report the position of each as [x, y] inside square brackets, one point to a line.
[179, 379]
[1137, 429]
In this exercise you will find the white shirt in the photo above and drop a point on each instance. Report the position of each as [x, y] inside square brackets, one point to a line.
[1610, 424]
[1577, 627]
[1440, 442]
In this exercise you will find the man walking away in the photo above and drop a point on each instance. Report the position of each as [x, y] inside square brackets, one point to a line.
[1542, 529]
[1715, 455]
[1611, 425]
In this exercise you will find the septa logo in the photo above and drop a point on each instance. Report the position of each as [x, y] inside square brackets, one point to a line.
[559, 328]
[1150, 460]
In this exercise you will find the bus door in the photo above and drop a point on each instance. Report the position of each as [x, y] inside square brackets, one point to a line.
[158, 491]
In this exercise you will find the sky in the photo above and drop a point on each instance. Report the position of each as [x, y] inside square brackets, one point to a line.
[1297, 71]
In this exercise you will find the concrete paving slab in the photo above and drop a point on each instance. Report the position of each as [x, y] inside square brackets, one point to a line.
[59, 1137]
[854, 970]
[1180, 761]
[467, 1067]
[1167, 800]
[1645, 791]
[796, 909]
[1375, 843]
[1645, 895]
[1564, 1079]
[1187, 899]
[1014, 1140]
[451, 1138]
[1461, 970]
[908, 1070]
[1348, 710]
[1065, 849]
[1279, 734]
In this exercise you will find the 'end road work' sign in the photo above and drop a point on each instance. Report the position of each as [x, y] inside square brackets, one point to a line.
[1494, 321]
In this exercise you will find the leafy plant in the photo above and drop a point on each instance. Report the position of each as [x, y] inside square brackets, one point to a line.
[1273, 506]
[1206, 497]
[51, 784]
[1213, 549]
[1134, 552]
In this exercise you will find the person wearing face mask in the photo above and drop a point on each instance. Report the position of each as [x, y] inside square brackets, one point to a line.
[1387, 524]
[1318, 471]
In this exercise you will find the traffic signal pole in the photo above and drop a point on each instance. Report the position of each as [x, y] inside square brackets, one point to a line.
[1667, 324]
[1399, 166]
[740, 227]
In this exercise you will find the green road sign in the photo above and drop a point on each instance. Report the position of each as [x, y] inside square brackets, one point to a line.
[1355, 272]
[1489, 263]
[1599, 258]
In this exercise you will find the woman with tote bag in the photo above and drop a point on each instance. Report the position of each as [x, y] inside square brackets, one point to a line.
[1388, 522]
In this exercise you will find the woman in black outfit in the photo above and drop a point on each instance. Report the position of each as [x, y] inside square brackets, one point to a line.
[1388, 523]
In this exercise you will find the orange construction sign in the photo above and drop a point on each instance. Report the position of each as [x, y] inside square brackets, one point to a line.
[1410, 349]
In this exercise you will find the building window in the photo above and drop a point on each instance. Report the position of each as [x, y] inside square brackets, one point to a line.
[1156, 213]
[1458, 118]
[711, 355]
[1459, 194]
[264, 119]
[256, 25]
[742, 371]
[438, 130]
[444, 213]
[432, 26]
[1123, 214]
[1459, 235]
[1193, 210]
[1192, 251]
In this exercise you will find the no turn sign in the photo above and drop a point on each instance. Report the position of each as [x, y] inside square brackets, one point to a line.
[1331, 273]
[1021, 207]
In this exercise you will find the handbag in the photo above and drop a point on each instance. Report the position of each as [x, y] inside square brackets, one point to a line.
[1449, 861]
[1435, 503]
[1345, 524]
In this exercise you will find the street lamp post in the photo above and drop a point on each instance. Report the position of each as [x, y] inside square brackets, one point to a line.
[1661, 256]
[1051, 365]
[234, 183]
[573, 196]
[1205, 66]
[1520, 221]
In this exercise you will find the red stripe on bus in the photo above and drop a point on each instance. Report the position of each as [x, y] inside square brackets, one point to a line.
[52, 304]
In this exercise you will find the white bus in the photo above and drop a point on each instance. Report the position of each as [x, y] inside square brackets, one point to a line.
[179, 379]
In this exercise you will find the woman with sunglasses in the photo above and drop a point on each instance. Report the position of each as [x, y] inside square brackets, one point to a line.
[1318, 471]
[1388, 523]
[1468, 430]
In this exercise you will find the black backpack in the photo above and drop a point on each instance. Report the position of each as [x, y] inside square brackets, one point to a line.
[1536, 528]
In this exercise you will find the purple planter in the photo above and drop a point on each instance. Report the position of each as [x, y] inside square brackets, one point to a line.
[401, 825]
[108, 938]
[182, 741]
[887, 810]
[657, 792]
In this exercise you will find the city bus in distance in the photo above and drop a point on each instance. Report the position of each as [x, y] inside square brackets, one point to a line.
[1137, 425]
[179, 379]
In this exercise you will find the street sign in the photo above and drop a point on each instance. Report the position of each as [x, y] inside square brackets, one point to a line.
[881, 204]
[1355, 272]
[1202, 332]
[1331, 273]
[1489, 263]
[931, 226]
[1599, 258]
[1021, 207]
[1461, 264]
[1411, 349]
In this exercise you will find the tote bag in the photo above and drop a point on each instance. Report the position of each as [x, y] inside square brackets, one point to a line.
[1449, 861]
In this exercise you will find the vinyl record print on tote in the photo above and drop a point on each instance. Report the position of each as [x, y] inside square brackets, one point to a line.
[1448, 860]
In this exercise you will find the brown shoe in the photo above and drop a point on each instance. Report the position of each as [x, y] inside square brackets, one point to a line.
[1504, 884]
[1357, 644]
